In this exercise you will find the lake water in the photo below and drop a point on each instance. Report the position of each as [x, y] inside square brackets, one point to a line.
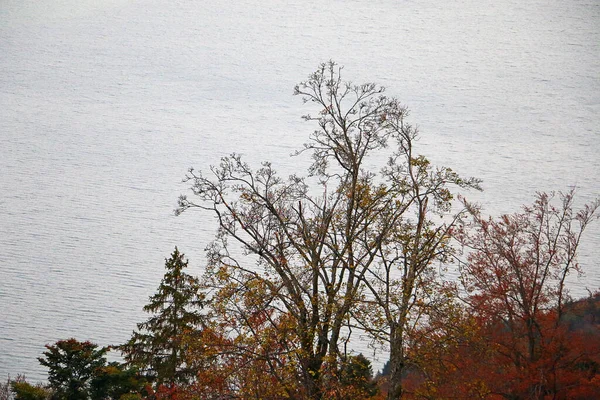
[104, 104]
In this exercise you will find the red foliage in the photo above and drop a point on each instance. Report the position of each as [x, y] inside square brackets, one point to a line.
[517, 337]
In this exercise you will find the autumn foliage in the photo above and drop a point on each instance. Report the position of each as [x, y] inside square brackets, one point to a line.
[301, 267]
[516, 333]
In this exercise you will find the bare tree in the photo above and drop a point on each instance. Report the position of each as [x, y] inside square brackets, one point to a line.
[361, 248]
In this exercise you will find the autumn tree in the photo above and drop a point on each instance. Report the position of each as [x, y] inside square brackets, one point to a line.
[314, 257]
[246, 358]
[20, 389]
[414, 222]
[515, 276]
[449, 356]
[156, 347]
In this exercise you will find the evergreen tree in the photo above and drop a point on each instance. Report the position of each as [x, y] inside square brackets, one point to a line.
[71, 367]
[114, 381]
[157, 347]
[356, 372]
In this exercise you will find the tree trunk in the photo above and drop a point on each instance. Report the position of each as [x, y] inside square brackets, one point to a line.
[397, 364]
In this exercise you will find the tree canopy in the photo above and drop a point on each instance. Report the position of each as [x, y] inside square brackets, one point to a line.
[358, 254]
[71, 367]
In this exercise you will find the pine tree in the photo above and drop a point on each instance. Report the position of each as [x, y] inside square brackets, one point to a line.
[157, 348]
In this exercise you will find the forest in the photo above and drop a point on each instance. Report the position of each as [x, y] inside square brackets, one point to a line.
[302, 267]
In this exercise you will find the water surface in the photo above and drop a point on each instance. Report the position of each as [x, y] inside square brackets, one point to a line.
[104, 104]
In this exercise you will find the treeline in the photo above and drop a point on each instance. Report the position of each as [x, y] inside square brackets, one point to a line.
[79, 370]
[301, 267]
